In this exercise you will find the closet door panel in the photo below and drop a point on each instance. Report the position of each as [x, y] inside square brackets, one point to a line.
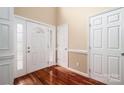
[4, 13]
[6, 45]
[6, 31]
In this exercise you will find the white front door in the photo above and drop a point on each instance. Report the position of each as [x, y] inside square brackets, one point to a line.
[62, 45]
[37, 47]
[107, 47]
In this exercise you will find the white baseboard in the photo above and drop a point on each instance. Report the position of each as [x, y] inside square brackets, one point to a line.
[78, 72]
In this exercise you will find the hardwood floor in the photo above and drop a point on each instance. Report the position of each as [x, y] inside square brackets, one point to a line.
[55, 75]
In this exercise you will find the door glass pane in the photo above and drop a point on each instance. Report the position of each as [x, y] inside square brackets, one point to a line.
[19, 46]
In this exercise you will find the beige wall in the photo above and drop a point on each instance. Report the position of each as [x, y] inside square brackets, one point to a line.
[43, 14]
[78, 20]
[78, 61]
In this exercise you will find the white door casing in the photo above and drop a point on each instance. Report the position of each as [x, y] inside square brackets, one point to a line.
[37, 47]
[62, 45]
[106, 47]
[52, 46]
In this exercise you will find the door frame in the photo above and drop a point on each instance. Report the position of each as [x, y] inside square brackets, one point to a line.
[67, 43]
[51, 27]
[53, 44]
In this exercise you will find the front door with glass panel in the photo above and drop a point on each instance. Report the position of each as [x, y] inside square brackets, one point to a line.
[32, 47]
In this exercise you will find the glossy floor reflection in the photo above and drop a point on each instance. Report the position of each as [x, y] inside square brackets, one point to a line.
[55, 75]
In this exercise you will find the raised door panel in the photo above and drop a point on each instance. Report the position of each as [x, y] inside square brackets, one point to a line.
[114, 68]
[97, 38]
[113, 37]
[4, 74]
[97, 64]
[6, 31]
[4, 36]
[113, 18]
[97, 21]
[6, 71]
[4, 13]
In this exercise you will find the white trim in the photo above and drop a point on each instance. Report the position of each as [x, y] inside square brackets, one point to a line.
[6, 57]
[106, 11]
[31, 20]
[88, 44]
[68, 42]
[78, 72]
[53, 29]
[78, 51]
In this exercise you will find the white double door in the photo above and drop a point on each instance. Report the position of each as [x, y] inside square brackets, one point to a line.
[107, 47]
[32, 47]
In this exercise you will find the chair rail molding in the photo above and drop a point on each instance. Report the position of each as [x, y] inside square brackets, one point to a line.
[78, 51]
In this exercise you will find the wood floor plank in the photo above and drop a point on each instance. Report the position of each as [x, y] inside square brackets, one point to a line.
[29, 79]
[48, 78]
[55, 75]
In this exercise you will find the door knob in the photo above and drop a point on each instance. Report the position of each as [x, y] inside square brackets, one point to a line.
[28, 51]
[28, 47]
[122, 54]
